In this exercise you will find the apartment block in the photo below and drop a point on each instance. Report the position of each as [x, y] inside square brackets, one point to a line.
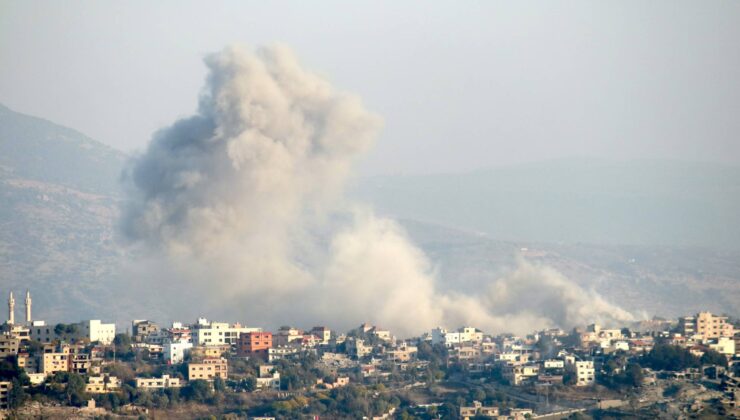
[254, 344]
[208, 369]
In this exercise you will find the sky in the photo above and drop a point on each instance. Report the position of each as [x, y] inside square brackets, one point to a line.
[460, 85]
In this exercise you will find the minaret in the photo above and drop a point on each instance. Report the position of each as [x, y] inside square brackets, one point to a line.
[11, 309]
[28, 307]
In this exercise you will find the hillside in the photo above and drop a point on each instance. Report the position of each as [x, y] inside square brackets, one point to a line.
[58, 203]
[649, 203]
[59, 197]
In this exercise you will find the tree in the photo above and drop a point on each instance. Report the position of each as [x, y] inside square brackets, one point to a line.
[16, 394]
[711, 357]
[197, 390]
[668, 357]
[74, 390]
[219, 385]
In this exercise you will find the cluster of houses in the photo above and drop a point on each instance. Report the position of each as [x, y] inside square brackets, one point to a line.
[548, 357]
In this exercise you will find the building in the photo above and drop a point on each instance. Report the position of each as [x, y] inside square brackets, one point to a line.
[723, 345]
[478, 409]
[102, 384]
[255, 344]
[356, 347]
[462, 335]
[53, 362]
[206, 333]
[208, 369]
[287, 336]
[8, 345]
[519, 374]
[281, 353]
[323, 333]
[4, 391]
[158, 383]
[705, 325]
[585, 373]
[175, 352]
[142, 328]
[94, 330]
[269, 378]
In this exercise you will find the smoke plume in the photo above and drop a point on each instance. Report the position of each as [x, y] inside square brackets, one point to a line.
[241, 210]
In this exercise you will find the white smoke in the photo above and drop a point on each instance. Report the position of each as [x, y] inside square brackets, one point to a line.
[242, 203]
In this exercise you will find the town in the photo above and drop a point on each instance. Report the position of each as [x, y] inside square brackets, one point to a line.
[672, 368]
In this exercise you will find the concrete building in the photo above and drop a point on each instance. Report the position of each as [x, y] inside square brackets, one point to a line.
[269, 378]
[287, 336]
[356, 347]
[158, 383]
[142, 328]
[723, 345]
[4, 391]
[53, 362]
[218, 333]
[102, 384]
[94, 330]
[174, 353]
[323, 333]
[705, 325]
[519, 374]
[208, 369]
[8, 345]
[585, 373]
[254, 344]
[451, 338]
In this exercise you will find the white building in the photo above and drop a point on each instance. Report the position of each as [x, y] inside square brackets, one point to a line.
[462, 335]
[94, 330]
[218, 333]
[158, 383]
[723, 345]
[554, 364]
[174, 353]
[585, 373]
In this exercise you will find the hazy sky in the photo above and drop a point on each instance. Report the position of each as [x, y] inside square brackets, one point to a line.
[460, 85]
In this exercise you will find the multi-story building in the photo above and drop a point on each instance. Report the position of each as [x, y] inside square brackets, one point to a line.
[451, 338]
[255, 344]
[4, 391]
[269, 378]
[158, 383]
[356, 347]
[175, 352]
[53, 362]
[287, 336]
[80, 363]
[218, 333]
[585, 373]
[142, 328]
[712, 326]
[8, 345]
[705, 325]
[518, 374]
[92, 330]
[208, 369]
[323, 333]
